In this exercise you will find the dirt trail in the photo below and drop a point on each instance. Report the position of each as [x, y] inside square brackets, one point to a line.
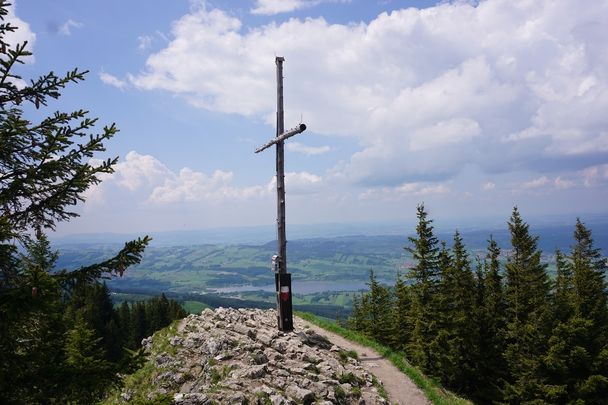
[401, 390]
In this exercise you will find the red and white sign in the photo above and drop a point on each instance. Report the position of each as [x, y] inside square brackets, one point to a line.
[284, 293]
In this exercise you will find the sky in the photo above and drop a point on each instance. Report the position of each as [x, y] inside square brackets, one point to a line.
[470, 107]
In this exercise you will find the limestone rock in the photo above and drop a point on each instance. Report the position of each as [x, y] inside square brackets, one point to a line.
[236, 356]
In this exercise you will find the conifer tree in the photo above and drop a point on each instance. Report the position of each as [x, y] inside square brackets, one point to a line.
[424, 277]
[577, 359]
[372, 312]
[589, 269]
[32, 331]
[464, 312]
[457, 339]
[491, 313]
[89, 373]
[401, 327]
[563, 297]
[379, 312]
[44, 172]
[446, 359]
[526, 295]
[357, 318]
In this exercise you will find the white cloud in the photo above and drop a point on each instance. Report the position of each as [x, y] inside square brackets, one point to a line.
[298, 183]
[112, 80]
[489, 186]
[443, 133]
[563, 183]
[307, 150]
[595, 175]
[21, 34]
[404, 190]
[66, 28]
[191, 186]
[155, 183]
[144, 42]
[499, 85]
[536, 183]
[271, 7]
[546, 182]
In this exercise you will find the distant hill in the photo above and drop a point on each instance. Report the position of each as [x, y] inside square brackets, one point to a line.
[554, 231]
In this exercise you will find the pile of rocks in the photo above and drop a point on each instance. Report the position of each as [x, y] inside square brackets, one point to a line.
[238, 356]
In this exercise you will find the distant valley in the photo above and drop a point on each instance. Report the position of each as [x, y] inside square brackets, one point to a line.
[325, 270]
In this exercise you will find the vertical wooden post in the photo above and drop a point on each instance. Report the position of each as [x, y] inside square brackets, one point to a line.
[282, 278]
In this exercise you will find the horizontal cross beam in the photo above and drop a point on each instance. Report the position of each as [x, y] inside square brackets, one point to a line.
[287, 134]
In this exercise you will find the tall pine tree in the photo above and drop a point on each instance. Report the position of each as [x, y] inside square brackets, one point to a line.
[527, 325]
[424, 277]
[491, 316]
[577, 360]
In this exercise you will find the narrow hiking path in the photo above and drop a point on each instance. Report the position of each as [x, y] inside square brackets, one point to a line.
[400, 389]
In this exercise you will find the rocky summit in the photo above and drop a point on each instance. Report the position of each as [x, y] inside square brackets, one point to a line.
[237, 356]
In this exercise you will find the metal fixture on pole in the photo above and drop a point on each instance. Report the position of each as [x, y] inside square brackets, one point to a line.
[282, 277]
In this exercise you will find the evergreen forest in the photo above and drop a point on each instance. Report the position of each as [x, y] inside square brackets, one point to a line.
[497, 328]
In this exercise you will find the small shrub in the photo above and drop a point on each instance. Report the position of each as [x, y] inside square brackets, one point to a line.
[350, 378]
[263, 398]
[345, 354]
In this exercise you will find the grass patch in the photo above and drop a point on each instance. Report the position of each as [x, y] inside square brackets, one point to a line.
[141, 382]
[263, 398]
[345, 354]
[379, 387]
[433, 390]
[219, 375]
[160, 339]
[194, 307]
[350, 378]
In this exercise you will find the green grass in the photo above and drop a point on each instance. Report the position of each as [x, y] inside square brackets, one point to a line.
[141, 381]
[433, 391]
[194, 307]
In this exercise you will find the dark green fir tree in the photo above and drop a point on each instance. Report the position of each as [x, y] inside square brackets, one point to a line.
[577, 360]
[527, 291]
[424, 277]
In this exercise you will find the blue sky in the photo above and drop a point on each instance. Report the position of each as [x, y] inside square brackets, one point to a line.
[470, 107]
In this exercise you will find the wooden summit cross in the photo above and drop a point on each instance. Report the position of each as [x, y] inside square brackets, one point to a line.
[279, 262]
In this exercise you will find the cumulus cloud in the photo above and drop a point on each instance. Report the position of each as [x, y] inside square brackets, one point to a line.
[545, 182]
[404, 190]
[299, 183]
[192, 186]
[595, 175]
[144, 42]
[307, 150]
[66, 28]
[22, 34]
[498, 85]
[112, 80]
[271, 7]
[489, 186]
[155, 183]
[563, 183]
[536, 183]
